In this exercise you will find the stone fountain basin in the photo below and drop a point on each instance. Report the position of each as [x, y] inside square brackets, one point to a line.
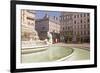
[45, 54]
[34, 49]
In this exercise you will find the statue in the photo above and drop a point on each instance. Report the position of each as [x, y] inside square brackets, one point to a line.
[49, 35]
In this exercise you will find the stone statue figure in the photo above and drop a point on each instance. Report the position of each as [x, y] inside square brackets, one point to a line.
[49, 35]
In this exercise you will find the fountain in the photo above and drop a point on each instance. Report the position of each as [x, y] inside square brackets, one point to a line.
[49, 38]
[37, 45]
[48, 52]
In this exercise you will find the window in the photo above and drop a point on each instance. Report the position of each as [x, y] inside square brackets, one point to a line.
[87, 14]
[88, 32]
[85, 21]
[43, 28]
[75, 16]
[63, 28]
[84, 14]
[88, 20]
[74, 22]
[81, 15]
[81, 21]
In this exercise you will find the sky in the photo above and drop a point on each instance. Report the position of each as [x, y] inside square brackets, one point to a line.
[40, 14]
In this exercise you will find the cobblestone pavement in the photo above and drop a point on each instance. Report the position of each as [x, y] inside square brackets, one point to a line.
[81, 51]
[81, 46]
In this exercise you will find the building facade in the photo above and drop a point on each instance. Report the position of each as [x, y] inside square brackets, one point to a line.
[47, 24]
[68, 27]
[75, 27]
[28, 31]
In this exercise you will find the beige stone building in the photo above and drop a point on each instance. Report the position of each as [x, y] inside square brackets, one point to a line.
[47, 24]
[69, 27]
[28, 31]
[75, 27]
